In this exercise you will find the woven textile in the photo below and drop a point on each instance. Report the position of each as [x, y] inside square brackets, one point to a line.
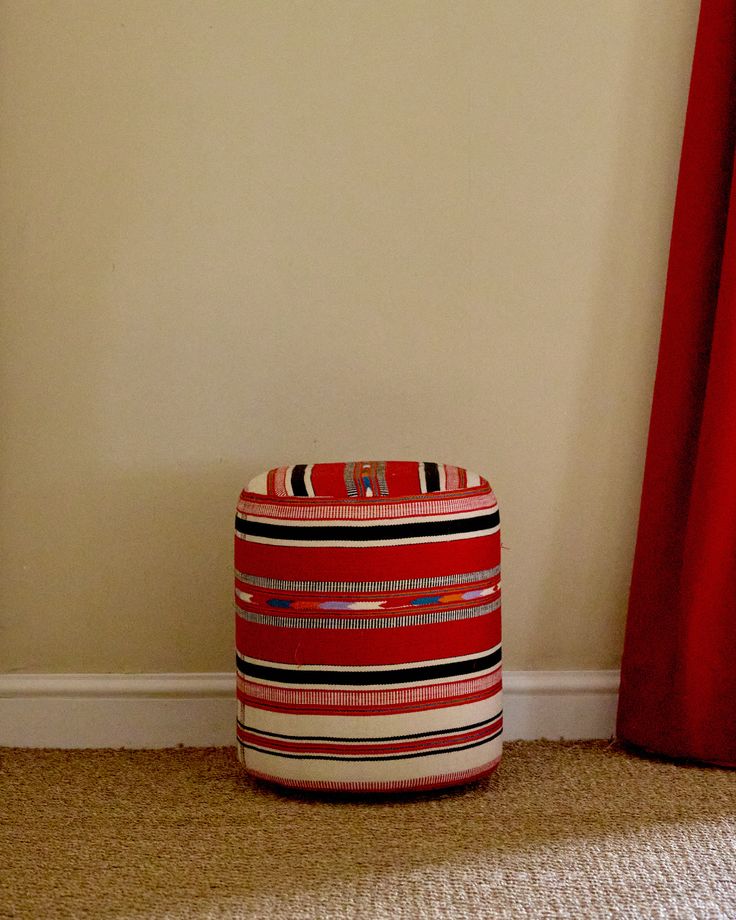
[368, 626]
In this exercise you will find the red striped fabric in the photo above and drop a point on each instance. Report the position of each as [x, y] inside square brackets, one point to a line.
[368, 626]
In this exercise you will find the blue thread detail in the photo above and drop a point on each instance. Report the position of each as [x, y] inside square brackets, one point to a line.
[278, 602]
[419, 601]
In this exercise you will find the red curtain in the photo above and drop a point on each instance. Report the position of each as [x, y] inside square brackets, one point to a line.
[678, 678]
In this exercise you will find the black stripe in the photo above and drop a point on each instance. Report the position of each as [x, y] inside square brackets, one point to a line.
[432, 477]
[371, 739]
[464, 747]
[369, 531]
[297, 479]
[353, 678]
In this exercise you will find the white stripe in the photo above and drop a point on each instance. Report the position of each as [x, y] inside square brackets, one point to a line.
[372, 771]
[258, 484]
[473, 479]
[308, 480]
[405, 541]
[371, 726]
[287, 481]
[443, 476]
[385, 522]
[422, 478]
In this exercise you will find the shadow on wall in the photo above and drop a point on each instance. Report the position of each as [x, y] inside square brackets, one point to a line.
[602, 464]
[156, 553]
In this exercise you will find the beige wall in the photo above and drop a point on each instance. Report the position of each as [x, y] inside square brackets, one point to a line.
[238, 234]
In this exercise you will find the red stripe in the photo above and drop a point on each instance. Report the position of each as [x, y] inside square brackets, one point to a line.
[357, 697]
[393, 645]
[385, 502]
[394, 709]
[379, 711]
[369, 563]
[438, 504]
[271, 482]
[328, 479]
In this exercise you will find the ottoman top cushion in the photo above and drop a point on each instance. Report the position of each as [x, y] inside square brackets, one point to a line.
[365, 479]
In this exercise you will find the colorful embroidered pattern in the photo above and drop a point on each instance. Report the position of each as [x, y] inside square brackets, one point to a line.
[368, 626]
[389, 622]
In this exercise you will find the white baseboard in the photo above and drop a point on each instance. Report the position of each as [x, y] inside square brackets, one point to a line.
[574, 705]
[198, 710]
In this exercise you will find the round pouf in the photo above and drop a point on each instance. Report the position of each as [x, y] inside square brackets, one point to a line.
[368, 626]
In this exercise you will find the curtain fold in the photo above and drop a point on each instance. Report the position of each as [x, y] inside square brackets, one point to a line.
[678, 677]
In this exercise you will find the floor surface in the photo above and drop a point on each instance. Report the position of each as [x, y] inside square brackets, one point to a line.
[580, 830]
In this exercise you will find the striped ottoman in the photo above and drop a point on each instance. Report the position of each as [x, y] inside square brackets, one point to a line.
[368, 626]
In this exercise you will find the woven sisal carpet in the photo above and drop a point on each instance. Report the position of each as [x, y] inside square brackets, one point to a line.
[562, 830]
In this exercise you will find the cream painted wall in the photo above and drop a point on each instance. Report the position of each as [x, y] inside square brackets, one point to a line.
[238, 234]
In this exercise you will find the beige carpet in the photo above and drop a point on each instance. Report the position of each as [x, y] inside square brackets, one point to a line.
[562, 830]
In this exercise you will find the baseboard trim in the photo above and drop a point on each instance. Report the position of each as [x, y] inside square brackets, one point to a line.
[166, 710]
[574, 705]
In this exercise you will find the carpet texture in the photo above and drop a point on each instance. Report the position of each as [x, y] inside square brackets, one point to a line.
[580, 830]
